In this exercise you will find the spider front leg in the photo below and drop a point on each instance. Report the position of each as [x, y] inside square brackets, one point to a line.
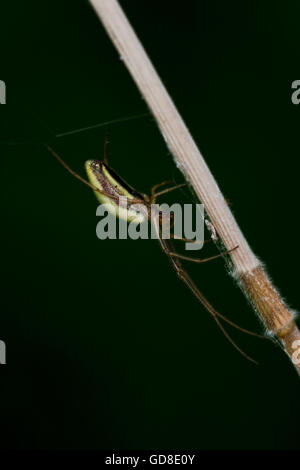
[188, 240]
[155, 195]
[201, 260]
[156, 186]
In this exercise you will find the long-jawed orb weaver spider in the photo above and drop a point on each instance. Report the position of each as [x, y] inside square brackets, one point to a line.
[109, 188]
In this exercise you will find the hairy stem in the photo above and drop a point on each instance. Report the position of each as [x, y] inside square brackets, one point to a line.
[276, 316]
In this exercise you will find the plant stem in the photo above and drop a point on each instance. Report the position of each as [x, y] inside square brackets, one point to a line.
[250, 274]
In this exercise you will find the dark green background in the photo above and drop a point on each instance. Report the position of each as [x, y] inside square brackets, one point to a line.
[105, 347]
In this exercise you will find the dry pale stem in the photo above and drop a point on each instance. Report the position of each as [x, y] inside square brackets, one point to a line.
[277, 317]
[248, 270]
